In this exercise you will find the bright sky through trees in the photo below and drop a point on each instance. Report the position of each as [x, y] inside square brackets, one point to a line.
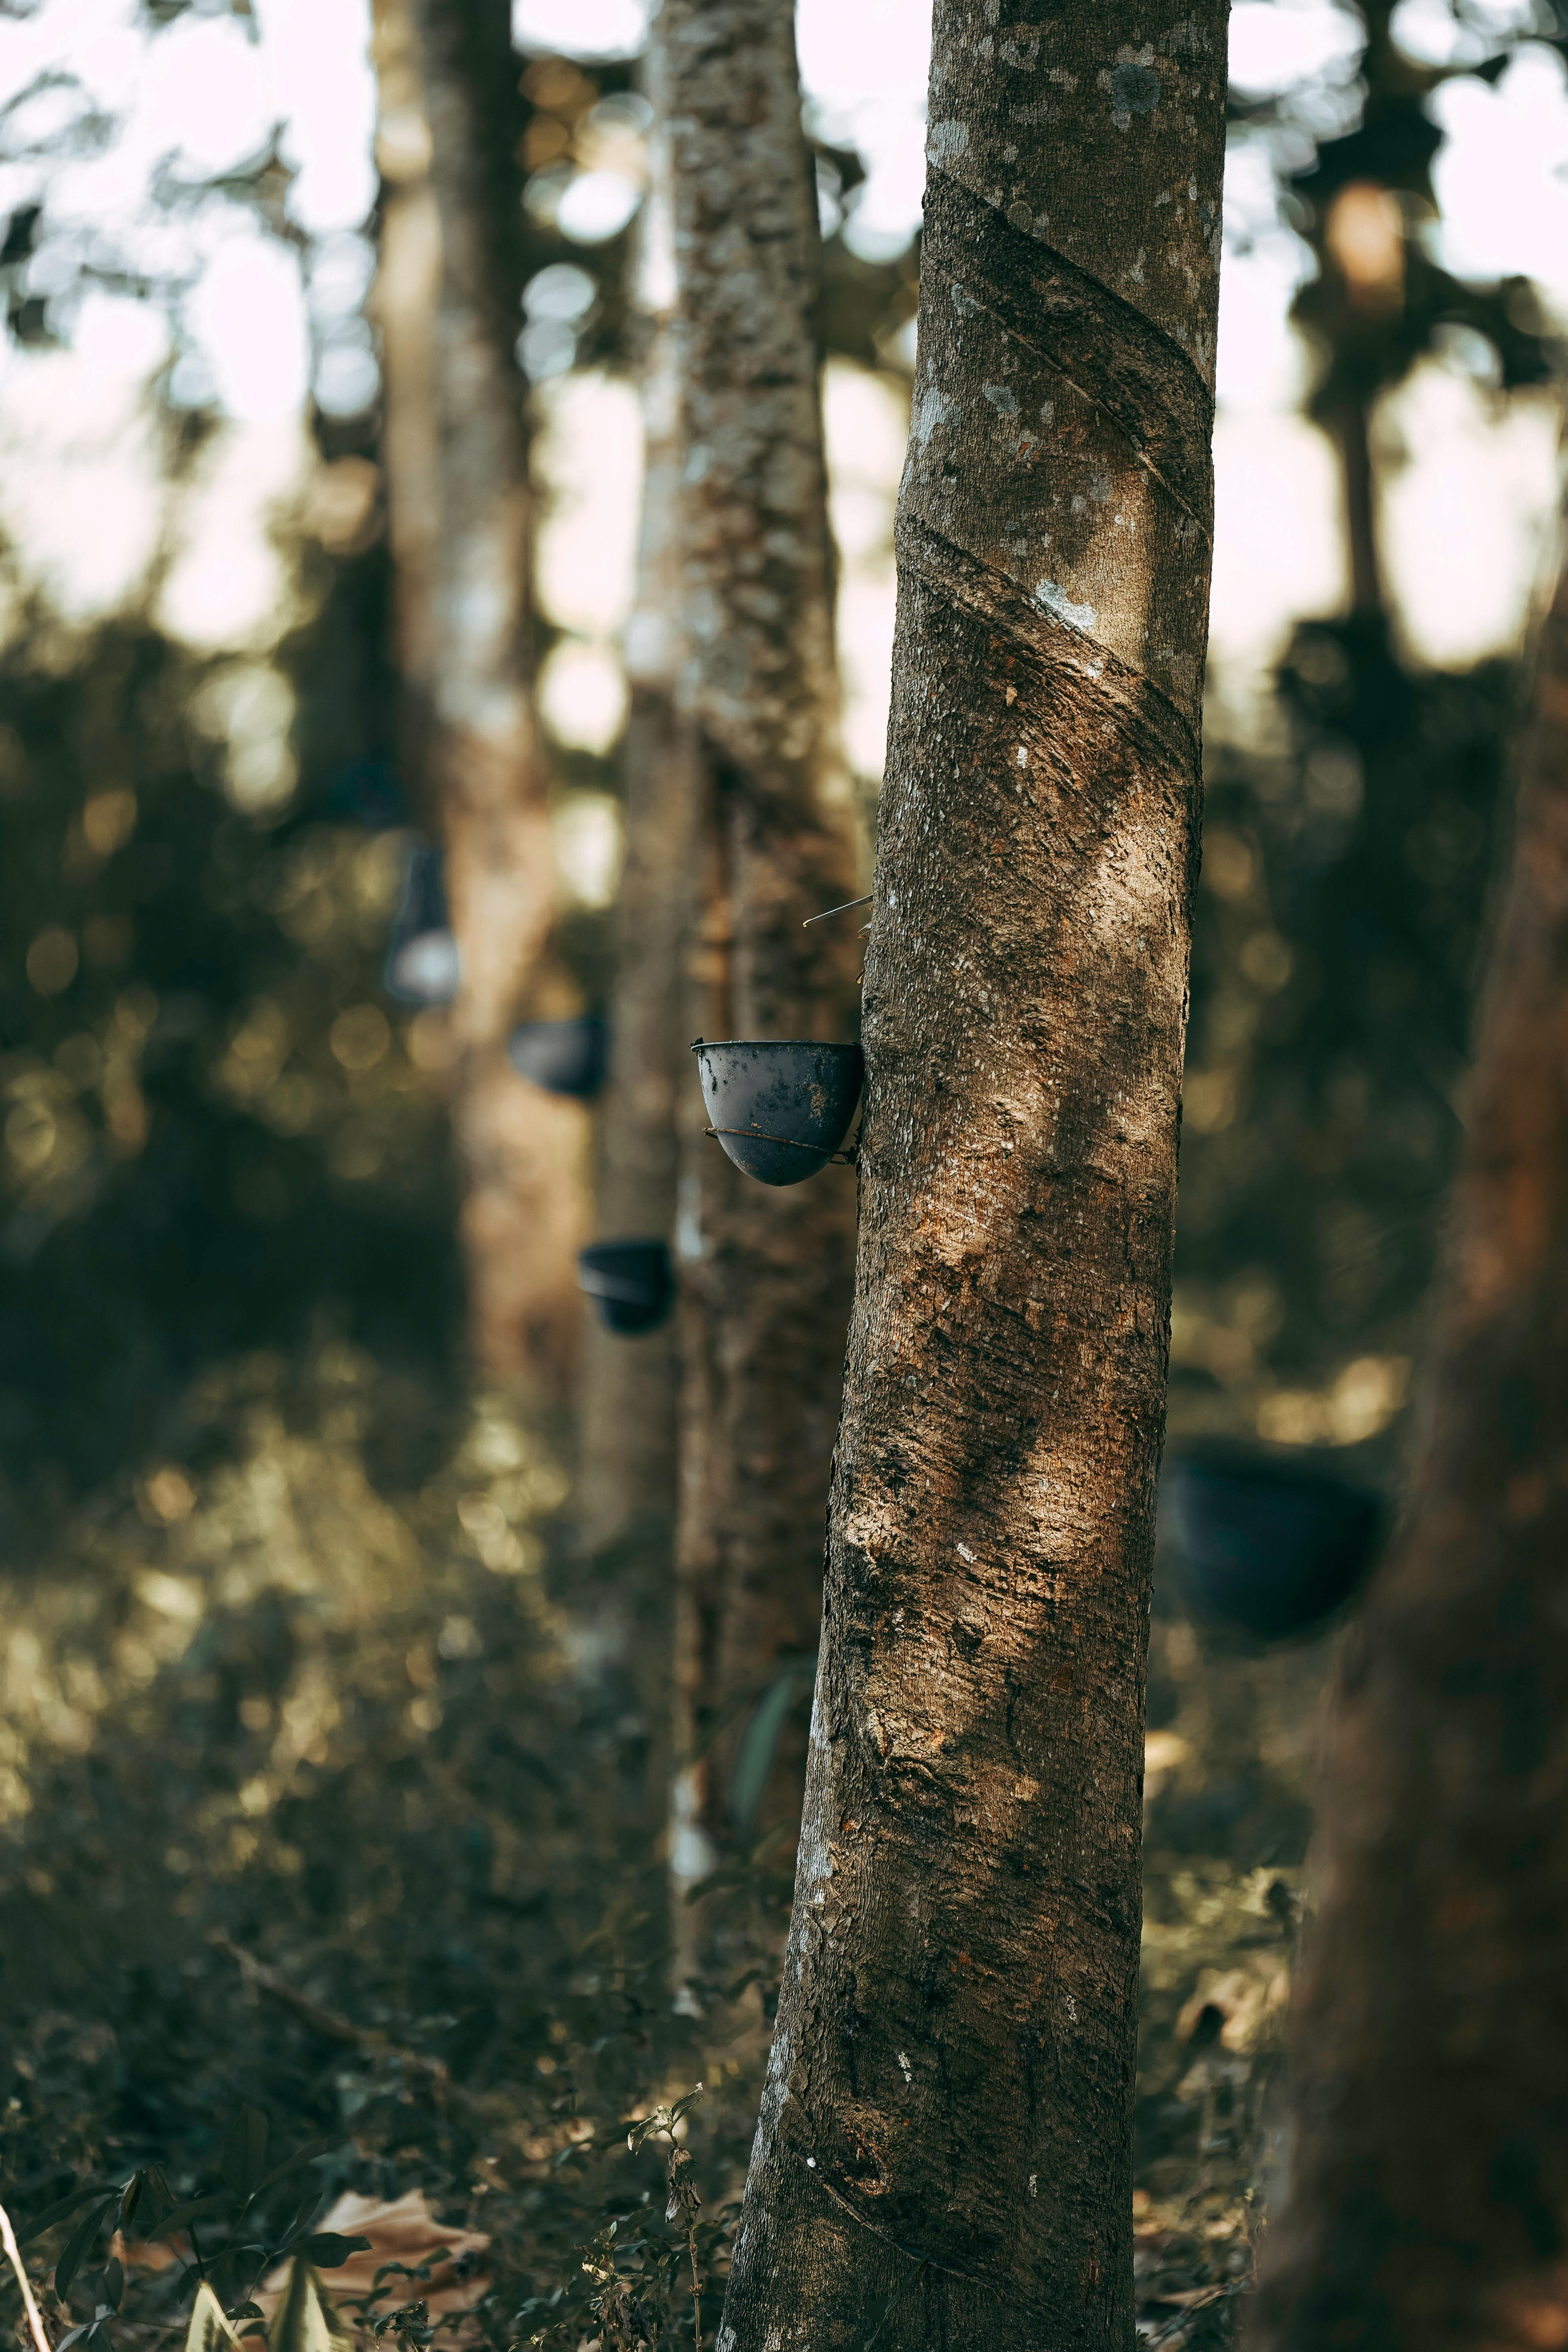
[121, 130]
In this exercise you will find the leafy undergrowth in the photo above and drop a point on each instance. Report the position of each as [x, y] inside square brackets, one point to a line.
[331, 1842]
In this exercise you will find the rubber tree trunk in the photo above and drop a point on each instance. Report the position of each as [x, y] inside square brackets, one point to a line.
[1428, 2202]
[943, 2155]
[766, 1273]
[466, 623]
[631, 1385]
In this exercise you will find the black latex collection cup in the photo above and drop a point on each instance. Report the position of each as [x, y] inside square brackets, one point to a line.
[780, 1110]
[564, 1058]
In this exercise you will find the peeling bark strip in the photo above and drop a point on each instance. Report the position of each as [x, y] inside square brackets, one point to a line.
[767, 1273]
[522, 1150]
[943, 2156]
[1429, 2035]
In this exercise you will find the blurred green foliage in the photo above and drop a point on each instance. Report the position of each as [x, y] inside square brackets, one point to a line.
[214, 1136]
[1350, 845]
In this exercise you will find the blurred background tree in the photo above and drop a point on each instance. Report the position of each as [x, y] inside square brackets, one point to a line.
[1348, 840]
[766, 1271]
[453, 115]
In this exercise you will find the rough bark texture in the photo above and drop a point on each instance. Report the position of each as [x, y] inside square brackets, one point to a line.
[464, 621]
[1427, 2205]
[943, 2155]
[767, 1273]
[631, 1385]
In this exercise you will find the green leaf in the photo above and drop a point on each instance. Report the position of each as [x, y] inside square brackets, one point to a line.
[244, 2151]
[329, 2249]
[192, 2210]
[209, 2331]
[759, 1745]
[81, 2238]
[236, 2256]
[305, 2320]
[298, 2226]
[402, 2270]
[113, 2281]
[56, 2212]
[306, 2155]
[132, 2197]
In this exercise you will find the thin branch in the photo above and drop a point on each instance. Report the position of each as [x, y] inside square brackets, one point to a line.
[696, 2288]
[844, 910]
[13, 2256]
[329, 2022]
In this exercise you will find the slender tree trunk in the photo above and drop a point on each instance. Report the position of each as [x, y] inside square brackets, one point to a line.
[408, 287]
[465, 620]
[943, 2155]
[767, 1273]
[1428, 2202]
[1352, 430]
[631, 1385]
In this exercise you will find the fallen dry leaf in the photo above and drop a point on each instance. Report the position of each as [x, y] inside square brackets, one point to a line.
[1248, 1999]
[149, 2253]
[404, 2230]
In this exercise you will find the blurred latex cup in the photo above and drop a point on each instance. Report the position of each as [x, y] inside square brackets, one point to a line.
[1269, 1548]
[631, 1282]
[565, 1057]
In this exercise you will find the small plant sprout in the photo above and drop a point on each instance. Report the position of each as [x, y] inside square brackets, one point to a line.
[613, 2303]
[684, 2204]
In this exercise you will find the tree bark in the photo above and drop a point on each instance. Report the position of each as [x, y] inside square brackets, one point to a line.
[465, 620]
[631, 1385]
[943, 2155]
[766, 1273]
[1429, 2202]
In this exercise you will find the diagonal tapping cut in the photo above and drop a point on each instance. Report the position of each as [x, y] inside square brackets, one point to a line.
[956, 2028]
[1063, 299]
